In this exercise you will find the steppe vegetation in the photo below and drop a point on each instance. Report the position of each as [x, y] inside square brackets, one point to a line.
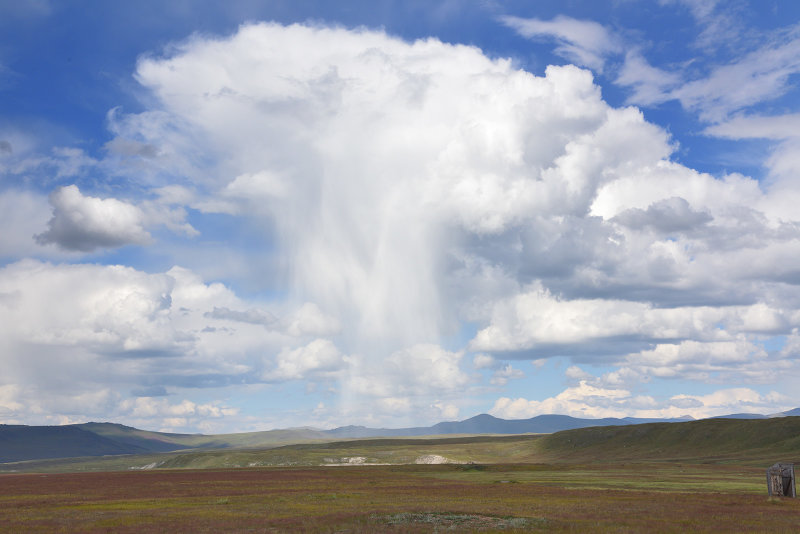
[698, 477]
[412, 498]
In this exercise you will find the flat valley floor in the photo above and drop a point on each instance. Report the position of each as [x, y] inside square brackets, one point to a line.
[636, 497]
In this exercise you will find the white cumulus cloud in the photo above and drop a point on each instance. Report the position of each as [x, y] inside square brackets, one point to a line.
[593, 402]
[86, 223]
[319, 358]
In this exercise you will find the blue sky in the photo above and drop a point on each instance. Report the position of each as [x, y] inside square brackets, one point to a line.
[233, 216]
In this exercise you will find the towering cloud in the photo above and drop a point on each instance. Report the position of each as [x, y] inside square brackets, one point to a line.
[413, 186]
[422, 201]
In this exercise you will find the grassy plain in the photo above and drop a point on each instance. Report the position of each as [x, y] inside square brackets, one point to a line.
[412, 498]
[701, 476]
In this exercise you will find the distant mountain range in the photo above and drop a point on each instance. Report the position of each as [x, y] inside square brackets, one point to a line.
[487, 424]
[21, 442]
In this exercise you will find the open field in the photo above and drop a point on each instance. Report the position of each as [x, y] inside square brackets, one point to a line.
[676, 477]
[413, 498]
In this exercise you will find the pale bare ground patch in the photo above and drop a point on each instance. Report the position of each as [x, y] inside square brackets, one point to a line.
[434, 459]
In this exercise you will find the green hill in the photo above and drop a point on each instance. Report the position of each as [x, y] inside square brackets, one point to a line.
[713, 440]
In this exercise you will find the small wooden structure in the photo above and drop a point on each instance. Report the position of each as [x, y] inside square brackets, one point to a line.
[780, 480]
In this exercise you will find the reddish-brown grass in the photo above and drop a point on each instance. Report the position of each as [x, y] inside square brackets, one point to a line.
[368, 499]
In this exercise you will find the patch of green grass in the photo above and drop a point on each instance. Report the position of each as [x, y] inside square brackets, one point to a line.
[458, 521]
[472, 467]
[661, 477]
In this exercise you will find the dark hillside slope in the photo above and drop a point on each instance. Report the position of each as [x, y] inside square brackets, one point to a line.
[142, 439]
[18, 442]
[166, 442]
[714, 440]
